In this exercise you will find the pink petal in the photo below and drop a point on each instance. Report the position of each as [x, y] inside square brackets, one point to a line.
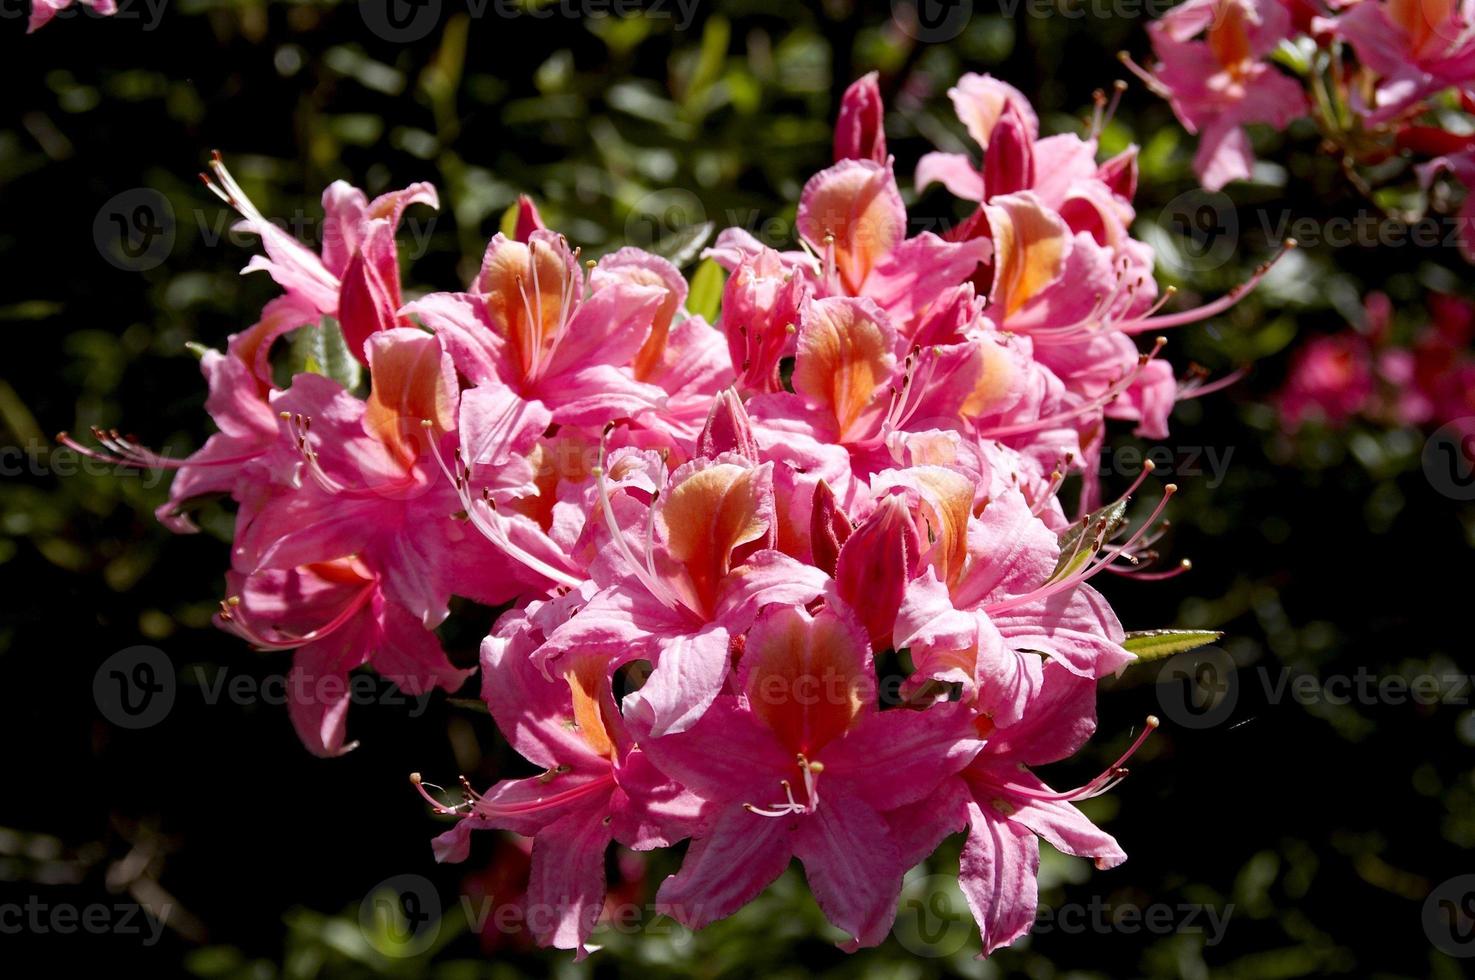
[998, 875]
[567, 884]
[852, 866]
[1066, 828]
[317, 687]
[952, 170]
[689, 671]
[460, 321]
[726, 869]
[893, 758]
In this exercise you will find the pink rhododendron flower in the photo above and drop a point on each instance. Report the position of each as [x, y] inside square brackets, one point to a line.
[1417, 47]
[42, 11]
[356, 278]
[1373, 374]
[1211, 69]
[337, 617]
[1331, 378]
[1006, 809]
[596, 785]
[807, 768]
[706, 536]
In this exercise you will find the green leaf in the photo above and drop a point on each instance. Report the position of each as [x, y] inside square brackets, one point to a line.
[716, 37]
[1077, 548]
[323, 350]
[705, 298]
[507, 224]
[1156, 644]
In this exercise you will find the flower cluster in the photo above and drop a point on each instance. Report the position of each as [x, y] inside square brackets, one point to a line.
[1381, 79]
[1372, 373]
[797, 583]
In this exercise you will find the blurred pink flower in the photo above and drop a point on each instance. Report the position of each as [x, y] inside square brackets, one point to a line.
[1218, 84]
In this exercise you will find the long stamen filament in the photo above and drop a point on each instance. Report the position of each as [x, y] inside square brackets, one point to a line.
[1101, 400]
[245, 631]
[1104, 782]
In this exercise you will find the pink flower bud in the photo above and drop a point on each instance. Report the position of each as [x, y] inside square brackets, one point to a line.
[1009, 163]
[728, 429]
[528, 219]
[1119, 174]
[760, 307]
[829, 529]
[875, 565]
[858, 130]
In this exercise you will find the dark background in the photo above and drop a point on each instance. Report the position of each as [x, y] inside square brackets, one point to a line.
[1319, 828]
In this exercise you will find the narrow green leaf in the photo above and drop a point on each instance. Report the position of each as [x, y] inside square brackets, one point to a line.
[1156, 644]
[705, 298]
[323, 350]
[507, 225]
[1076, 548]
